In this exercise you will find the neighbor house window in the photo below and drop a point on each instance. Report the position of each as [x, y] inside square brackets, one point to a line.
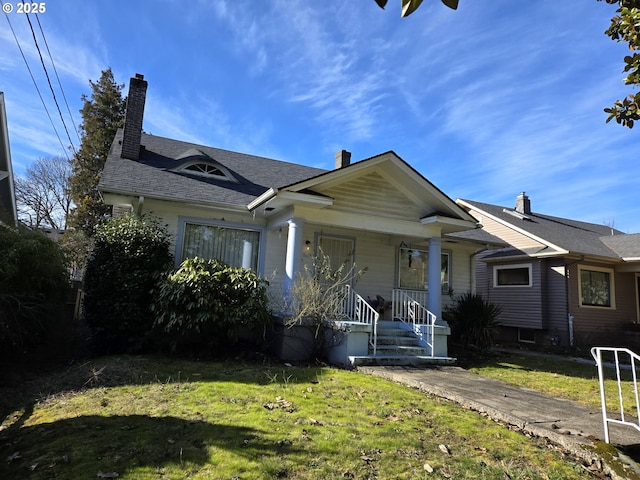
[237, 247]
[518, 275]
[413, 269]
[596, 287]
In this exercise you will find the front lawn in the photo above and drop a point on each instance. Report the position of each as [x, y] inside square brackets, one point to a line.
[150, 418]
[557, 376]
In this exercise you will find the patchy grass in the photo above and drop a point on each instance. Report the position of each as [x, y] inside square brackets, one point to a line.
[147, 418]
[562, 378]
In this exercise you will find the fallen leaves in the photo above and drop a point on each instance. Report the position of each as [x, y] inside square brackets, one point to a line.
[280, 403]
[444, 449]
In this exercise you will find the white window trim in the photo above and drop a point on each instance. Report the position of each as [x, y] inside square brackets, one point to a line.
[182, 221]
[612, 286]
[513, 266]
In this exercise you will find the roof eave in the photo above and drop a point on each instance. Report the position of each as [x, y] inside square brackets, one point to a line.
[448, 223]
[135, 195]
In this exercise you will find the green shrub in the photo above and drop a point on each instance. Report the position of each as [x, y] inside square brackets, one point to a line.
[129, 254]
[205, 303]
[473, 320]
[33, 286]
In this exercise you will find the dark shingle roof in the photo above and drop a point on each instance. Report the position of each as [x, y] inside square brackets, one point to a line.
[152, 175]
[626, 246]
[571, 235]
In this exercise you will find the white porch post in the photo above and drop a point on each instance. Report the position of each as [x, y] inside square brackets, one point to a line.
[435, 291]
[247, 254]
[294, 252]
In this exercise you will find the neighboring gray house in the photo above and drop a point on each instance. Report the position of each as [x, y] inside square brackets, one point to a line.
[560, 281]
[271, 216]
[7, 190]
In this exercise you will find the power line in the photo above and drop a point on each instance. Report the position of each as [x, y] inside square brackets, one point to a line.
[35, 84]
[44, 67]
[75, 128]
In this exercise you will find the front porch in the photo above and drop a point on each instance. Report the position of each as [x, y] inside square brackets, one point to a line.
[413, 335]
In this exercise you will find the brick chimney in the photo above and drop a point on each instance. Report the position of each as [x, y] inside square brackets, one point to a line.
[133, 117]
[523, 204]
[343, 159]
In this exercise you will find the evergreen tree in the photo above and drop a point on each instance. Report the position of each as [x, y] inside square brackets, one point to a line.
[102, 115]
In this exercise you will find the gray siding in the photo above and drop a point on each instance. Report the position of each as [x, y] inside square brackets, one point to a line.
[521, 306]
[555, 301]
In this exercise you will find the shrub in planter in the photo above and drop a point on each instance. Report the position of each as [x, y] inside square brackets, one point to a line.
[33, 286]
[317, 297]
[473, 320]
[205, 303]
[129, 254]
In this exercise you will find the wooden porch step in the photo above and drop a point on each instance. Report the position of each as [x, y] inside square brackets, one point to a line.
[394, 332]
[400, 360]
[397, 340]
[401, 350]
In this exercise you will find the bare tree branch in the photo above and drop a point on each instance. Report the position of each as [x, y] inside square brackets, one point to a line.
[42, 195]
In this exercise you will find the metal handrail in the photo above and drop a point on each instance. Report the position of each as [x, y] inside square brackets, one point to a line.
[596, 352]
[411, 312]
[359, 310]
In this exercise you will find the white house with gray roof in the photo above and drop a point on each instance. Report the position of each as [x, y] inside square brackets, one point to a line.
[559, 281]
[272, 216]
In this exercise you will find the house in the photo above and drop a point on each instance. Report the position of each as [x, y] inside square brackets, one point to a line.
[7, 191]
[272, 216]
[560, 281]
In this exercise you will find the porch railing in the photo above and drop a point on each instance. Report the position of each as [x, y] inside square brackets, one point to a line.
[357, 309]
[627, 362]
[408, 308]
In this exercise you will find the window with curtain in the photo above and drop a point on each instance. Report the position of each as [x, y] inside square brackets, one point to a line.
[413, 269]
[236, 247]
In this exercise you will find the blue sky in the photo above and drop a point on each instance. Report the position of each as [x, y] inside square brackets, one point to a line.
[487, 101]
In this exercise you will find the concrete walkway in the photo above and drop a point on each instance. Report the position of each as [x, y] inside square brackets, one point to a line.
[563, 422]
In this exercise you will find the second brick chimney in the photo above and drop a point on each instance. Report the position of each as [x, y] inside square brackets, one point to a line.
[343, 159]
[133, 118]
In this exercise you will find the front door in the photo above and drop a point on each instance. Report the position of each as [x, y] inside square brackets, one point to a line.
[340, 251]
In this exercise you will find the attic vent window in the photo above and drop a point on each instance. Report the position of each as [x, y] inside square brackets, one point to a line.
[196, 162]
[205, 170]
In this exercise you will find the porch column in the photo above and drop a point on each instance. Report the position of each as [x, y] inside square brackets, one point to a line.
[294, 252]
[433, 276]
[247, 254]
